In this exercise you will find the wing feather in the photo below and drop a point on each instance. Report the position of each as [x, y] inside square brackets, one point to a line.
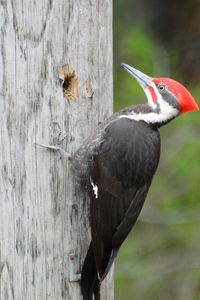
[122, 170]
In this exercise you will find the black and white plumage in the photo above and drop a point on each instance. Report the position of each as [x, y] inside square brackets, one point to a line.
[118, 164]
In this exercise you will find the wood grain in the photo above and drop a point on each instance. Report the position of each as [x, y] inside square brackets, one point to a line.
[43, 213]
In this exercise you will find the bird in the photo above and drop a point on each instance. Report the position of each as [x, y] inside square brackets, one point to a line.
[117, 164]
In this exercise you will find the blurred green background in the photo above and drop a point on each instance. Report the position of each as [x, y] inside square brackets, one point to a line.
[160, 260]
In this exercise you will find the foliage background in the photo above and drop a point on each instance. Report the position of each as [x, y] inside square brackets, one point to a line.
[161, 258]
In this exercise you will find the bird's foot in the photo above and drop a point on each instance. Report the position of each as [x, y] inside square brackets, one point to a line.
[59, 141]
[57, 148]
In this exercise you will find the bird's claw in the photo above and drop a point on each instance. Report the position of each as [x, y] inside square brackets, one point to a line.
[59, 141]
[57, 148]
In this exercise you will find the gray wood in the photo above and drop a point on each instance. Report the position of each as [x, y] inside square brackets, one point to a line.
[43, 214]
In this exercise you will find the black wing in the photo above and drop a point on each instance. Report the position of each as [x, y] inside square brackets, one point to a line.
[121, 175]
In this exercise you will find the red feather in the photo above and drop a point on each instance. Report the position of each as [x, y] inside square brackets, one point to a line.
[183, 96]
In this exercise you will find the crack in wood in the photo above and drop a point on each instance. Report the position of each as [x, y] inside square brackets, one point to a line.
[6, 277]
[22, 25]
[88, 87]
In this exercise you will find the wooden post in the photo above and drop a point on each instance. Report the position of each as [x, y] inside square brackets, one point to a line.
[55, 68]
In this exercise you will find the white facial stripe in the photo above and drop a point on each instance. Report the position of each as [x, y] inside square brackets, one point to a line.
[165, 110]
[166, 113]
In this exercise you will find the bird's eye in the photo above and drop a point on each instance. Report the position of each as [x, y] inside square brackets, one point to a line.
[162, 87]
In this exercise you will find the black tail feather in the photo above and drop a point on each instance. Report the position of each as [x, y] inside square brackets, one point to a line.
[109, 264]
[90, 284]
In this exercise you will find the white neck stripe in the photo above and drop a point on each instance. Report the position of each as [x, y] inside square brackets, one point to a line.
[151, 118]
[166, 113]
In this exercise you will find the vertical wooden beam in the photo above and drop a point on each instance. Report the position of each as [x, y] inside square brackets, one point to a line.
[55, 68]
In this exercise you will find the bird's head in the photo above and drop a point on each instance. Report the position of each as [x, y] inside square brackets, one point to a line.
[167, 97]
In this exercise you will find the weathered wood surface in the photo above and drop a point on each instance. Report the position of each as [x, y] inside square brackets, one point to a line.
[43, 215]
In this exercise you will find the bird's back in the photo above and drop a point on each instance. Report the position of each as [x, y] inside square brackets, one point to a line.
[121, 168]
[122, 171]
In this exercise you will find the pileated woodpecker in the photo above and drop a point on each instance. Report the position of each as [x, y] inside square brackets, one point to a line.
[118, 163]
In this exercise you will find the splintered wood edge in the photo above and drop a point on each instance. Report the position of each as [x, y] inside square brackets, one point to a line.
[88, 87]
[69, 82]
